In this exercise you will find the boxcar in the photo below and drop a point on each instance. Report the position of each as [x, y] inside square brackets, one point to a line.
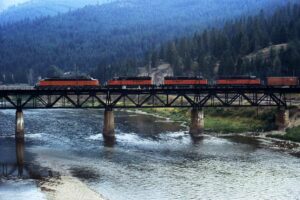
[185, 81]
[130, 82]
[238, 80]
[282, 81]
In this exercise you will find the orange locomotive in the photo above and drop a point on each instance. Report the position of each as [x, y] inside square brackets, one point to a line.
[282, 81]
[185, 81]
[68, 82]
[124, 82]
[238, 81]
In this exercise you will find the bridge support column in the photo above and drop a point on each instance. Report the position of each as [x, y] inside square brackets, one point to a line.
[109, 125]
[19, 135]
[282, 118]
[197, 122]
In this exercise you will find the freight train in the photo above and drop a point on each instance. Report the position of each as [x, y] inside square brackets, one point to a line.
[169, 82]
[190, 82]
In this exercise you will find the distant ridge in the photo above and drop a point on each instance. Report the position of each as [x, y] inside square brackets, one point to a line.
[6, 4]
[31, 9]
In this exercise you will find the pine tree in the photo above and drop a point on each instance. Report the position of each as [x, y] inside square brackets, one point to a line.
[172, 55]
[54, 71]
[154, 59]
[277, 66]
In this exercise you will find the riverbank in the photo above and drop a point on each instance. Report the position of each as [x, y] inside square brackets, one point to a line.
[224, 120]
[68, 188]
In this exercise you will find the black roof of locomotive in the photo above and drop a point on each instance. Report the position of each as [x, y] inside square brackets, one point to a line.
[183, 78]
[237, 77]
[132, 78]
[71, 78]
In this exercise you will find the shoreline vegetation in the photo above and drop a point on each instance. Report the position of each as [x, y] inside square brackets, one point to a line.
[291, 134]
[233, 121]
[224, 120]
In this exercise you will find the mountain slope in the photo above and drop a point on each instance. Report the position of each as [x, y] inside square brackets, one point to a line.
[262, 45]
[107, 34]
[32, 9]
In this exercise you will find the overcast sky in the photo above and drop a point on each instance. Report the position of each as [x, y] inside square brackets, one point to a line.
[7, 3]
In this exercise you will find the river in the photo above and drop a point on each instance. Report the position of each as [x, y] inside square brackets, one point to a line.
[152, 159]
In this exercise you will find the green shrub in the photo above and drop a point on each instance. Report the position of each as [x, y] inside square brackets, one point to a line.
[292, 134]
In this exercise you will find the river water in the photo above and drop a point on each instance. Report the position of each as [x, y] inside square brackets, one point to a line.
[153, 159]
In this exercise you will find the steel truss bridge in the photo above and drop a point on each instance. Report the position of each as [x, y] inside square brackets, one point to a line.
[105, 98]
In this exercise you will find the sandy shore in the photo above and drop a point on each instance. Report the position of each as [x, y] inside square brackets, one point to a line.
[68, 188]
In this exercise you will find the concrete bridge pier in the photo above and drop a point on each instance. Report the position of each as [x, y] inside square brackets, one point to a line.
[282, 118]
[197, 122]
[19, 135]
[109, 127]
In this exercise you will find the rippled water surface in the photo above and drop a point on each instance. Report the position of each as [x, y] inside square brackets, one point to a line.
[153, 159]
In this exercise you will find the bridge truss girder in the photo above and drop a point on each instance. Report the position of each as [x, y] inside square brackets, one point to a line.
[109, 99]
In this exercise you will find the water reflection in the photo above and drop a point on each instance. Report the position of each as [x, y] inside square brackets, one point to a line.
[244, 140]
[20, 155]
[197, 141]
[13, 162]
[15, 169]
[109, 141]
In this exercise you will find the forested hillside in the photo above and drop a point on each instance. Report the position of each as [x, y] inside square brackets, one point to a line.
[103, 37]
[261, 45]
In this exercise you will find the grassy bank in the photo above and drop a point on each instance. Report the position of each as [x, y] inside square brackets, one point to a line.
[292, 134]
[223, 120]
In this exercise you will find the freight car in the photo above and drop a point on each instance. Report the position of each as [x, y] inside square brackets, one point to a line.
[282, 81]
[130, 82]
[184, 81]
[74, 82]
[238, 81]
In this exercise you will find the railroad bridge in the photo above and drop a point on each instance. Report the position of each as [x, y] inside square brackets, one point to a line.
[109, 99]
